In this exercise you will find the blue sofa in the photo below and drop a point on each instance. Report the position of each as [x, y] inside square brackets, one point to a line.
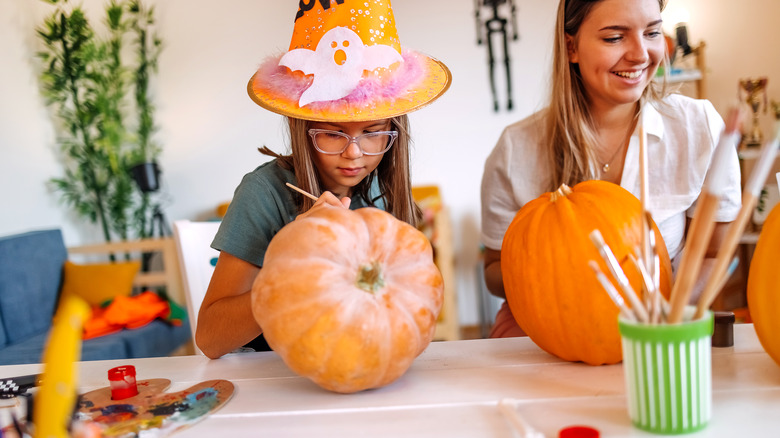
[31, 266]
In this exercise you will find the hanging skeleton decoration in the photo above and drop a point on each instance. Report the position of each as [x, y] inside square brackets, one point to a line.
[497, 25]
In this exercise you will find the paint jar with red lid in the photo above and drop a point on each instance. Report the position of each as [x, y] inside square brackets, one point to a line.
[122, 380]
[578, 432]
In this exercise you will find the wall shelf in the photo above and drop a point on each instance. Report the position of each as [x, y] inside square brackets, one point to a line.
[695, 74]
[686, 75]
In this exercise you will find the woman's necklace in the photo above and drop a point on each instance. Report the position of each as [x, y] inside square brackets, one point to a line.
[606, 165]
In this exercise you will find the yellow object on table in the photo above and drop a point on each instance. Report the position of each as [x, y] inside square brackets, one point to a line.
[57, 395]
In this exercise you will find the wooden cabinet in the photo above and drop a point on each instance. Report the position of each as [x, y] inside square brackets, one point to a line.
[447, 326]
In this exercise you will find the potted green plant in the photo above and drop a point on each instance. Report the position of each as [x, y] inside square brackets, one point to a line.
[89, 85]
[145, 168]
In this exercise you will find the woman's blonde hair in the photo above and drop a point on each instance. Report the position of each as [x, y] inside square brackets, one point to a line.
[393, 173]
[570, 127]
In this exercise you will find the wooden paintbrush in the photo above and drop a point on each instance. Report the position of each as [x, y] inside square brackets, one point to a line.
[617, 272]
[703, 221]
[749, 199]
[301, 191]
[613, 293]
[644, 197]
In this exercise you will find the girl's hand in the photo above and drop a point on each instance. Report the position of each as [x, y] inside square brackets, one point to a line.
[327, 200]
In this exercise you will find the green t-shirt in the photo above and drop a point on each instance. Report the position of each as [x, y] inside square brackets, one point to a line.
[261, 206]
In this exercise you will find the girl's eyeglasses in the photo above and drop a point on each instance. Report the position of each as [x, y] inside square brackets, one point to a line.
[335, 142]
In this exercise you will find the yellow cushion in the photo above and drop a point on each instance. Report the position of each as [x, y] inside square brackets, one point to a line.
[99, 282]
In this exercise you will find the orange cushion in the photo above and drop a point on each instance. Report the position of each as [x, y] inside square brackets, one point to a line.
[99, 282]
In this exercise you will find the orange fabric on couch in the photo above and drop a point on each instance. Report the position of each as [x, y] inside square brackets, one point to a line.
[126, 312]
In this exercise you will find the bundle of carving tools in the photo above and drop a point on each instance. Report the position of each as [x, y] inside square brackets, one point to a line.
[648, 305]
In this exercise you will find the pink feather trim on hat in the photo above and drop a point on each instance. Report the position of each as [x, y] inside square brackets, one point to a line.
[387, 86]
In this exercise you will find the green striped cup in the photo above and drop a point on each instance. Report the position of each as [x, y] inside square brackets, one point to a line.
[668, 370]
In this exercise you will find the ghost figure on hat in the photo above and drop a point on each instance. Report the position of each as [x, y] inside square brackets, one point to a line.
[345, 63]
[337, 64]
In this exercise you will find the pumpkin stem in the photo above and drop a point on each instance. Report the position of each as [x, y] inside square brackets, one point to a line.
[562, 192]
[370, 278]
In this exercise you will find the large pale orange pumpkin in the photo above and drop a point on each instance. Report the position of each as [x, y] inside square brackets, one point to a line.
[552, 292]
[348, 298]
[763, 286]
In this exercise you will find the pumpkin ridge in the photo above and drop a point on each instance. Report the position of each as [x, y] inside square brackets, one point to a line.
[410, 301]
[571, 216]
[381, 237]
[284, 277]
[272, 319]
[611, 236]
[390, 333]
[543, 296]
[323, 360]
[411, 263]
[405, 299]
[568, 216]
[523, 299]
[350, 316]
[600, 219]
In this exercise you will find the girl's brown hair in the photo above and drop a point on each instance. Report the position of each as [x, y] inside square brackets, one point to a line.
[393, 174]
[570, 127]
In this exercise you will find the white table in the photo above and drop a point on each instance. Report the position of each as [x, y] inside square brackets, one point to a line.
[451, 391]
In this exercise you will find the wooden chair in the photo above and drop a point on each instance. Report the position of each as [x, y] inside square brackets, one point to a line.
[197, 259]
[439, 231]
[168, 275]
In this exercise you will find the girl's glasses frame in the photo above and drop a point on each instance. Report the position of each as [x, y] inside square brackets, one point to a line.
[350, 139]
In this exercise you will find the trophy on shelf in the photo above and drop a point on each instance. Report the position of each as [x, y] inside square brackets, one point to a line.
[755, 88]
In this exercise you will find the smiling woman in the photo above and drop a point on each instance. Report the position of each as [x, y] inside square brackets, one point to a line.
[606, 54]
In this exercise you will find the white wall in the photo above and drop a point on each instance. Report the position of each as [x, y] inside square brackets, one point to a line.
[210, 129]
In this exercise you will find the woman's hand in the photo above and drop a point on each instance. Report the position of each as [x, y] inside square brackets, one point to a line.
[327, 200]
[493, 279]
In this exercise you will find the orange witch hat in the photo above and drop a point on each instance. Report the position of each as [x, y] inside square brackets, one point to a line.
[346, 63]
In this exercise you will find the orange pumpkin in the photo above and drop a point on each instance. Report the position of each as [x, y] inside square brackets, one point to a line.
[763, 286]
[348, 298]
[552, 292]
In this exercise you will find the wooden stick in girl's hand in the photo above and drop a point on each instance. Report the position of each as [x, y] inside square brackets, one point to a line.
[301, 191]
[749, 199]
[703, 221]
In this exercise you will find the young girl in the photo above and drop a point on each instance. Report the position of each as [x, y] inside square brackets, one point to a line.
[606, 55]
[345, 90]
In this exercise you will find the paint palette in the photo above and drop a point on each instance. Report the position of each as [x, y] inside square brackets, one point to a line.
[153, 411]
